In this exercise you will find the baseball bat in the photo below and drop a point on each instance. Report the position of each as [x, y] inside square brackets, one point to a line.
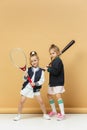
[63, 50]
[67, 47]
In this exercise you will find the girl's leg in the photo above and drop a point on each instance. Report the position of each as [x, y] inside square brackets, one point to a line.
[21, 103]
[52, 104]
[40, 101]
[20, 106]
[42, 105]
[60, 115]
[60, 103]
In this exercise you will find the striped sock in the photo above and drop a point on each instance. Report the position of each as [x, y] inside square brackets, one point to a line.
[52, 104]
[61, 106]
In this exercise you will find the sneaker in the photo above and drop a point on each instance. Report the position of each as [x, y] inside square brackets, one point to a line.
[52, 113]
[18, 117]
[46, 116]
[60, 117]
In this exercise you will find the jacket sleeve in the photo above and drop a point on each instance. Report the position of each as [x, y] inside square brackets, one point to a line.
[41, 81]
[25, 77]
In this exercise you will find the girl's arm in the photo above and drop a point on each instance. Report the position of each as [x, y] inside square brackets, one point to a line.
[41, 81]
[25, 75]
[56, 68]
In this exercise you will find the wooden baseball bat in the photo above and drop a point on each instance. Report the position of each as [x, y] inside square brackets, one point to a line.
[63, 50]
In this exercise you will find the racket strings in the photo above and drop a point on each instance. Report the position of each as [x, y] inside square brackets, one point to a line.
[18, 58]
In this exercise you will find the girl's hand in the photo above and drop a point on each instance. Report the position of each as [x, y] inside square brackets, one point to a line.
[26, 74]
[32, 84]
[45, 68]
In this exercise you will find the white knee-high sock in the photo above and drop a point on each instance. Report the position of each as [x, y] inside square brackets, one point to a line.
[52, 104]
[61, 106]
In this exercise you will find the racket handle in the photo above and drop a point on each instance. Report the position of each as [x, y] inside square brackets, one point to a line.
[29, 79]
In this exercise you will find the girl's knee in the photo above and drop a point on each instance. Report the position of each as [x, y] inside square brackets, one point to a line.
[41, 102]
[58, 96]
[49, 96]
[22, 101]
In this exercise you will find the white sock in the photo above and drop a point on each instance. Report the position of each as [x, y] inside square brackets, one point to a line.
[52, 104]
[61, 106]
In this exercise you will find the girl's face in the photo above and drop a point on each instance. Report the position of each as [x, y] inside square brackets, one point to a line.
[53, 53]
[34, 61]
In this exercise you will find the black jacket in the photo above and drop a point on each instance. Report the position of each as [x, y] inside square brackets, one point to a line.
[36, 78]
[56, 73]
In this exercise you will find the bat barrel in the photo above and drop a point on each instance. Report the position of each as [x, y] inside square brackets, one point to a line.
[68, 45]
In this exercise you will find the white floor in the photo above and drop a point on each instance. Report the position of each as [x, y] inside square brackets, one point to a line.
[36, 122]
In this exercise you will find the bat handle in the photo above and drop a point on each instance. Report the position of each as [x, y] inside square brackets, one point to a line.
[60, 53]
[43, 69]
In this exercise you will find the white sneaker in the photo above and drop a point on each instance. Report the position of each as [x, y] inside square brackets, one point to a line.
[18, 117]
[46, 116]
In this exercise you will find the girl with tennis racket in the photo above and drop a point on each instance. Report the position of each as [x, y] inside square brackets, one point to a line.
[32, 89]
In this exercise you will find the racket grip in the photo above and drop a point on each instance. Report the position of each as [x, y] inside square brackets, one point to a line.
[29, 79]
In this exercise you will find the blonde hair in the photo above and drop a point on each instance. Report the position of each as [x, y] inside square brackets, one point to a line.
[33, 53]
[55, 47]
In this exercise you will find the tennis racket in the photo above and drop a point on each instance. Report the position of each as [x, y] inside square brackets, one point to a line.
[18, 58]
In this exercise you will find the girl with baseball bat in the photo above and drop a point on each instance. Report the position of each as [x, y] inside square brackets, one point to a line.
[56, 82]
